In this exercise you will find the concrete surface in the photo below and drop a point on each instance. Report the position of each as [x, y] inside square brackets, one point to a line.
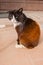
[9, 54]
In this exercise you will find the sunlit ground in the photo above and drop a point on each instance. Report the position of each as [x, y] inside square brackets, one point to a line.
[9, 54]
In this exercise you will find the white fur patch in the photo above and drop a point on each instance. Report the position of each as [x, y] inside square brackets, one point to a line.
[13, 20]
[19, 46]
[15, 23]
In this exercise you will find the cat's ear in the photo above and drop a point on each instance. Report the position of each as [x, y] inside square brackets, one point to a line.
[12, 11]
[21, 9]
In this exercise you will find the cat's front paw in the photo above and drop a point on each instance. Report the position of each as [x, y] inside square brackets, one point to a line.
[19, 46]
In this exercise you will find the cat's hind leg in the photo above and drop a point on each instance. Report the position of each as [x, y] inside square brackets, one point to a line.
[19, 45]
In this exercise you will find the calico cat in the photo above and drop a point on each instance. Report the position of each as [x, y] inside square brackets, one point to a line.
[27, 29]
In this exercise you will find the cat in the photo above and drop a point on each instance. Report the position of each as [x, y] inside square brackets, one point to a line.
[27, 29]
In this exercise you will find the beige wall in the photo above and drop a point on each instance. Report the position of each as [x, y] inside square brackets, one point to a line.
[26, 4]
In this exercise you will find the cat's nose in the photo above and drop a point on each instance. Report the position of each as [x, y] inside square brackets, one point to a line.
[9, 18]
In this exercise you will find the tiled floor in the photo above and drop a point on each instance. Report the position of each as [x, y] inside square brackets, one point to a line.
[9, 55]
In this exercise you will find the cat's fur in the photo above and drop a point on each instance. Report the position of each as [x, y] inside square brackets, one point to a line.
[27, 29]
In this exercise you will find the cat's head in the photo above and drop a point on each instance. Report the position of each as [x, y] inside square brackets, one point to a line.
[17, 14]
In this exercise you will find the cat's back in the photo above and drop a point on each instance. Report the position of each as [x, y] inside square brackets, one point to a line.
[30, 24]
[31, 32]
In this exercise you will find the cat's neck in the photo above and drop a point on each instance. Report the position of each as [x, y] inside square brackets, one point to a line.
[25, 18]
[15, 23]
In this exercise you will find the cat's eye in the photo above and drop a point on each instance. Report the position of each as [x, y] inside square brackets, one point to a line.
[16, 17]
